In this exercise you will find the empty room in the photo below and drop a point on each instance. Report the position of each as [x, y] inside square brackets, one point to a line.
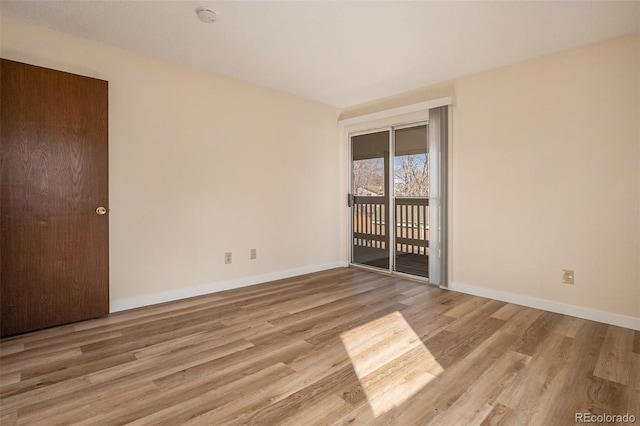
[319, 212]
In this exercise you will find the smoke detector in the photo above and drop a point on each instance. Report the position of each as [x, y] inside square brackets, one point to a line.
[206, 15]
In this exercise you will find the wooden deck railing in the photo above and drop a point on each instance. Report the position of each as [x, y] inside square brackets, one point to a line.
[369, 218]
[412, 224]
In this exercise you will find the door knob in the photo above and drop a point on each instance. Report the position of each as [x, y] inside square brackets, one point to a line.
[101, 210]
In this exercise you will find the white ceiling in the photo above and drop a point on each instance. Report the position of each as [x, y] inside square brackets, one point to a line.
[339, 53]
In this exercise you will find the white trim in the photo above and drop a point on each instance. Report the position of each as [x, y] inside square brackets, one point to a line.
[407, 109]
[551, 306]
[368, 132]
[168, 296]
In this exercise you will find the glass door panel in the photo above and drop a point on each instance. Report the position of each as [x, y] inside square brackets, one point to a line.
[370, 200]
[398, 198]
[411, 200]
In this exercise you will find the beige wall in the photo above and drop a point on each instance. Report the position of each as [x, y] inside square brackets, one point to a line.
[545, 176]
[545, 173]
[200, 165]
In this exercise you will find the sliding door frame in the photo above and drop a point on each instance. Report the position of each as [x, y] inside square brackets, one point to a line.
[391, 198]
[350, 136]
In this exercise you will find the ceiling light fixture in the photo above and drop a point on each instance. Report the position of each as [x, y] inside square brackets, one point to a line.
[206, 15]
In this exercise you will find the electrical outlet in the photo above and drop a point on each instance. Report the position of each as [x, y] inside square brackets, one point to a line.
[567, 276]
[254, 254]
[227, 258]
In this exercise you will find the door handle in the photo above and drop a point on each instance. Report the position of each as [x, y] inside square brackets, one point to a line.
[101, 210]
[350, 199]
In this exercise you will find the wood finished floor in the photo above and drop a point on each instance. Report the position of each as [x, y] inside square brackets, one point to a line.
[344, 346]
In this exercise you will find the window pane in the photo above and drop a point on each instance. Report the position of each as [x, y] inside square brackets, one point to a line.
[368, 177]
[411, 162]
[369, 153]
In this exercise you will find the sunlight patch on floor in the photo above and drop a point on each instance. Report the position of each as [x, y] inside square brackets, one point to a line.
[390, 361]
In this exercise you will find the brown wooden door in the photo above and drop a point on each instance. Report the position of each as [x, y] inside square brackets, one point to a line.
[54, 174]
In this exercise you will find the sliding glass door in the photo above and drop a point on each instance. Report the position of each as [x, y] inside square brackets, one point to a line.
[411, 200]
[370, 199]
[398, 198]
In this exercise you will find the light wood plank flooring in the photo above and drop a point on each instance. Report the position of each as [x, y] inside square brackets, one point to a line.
[344, 346]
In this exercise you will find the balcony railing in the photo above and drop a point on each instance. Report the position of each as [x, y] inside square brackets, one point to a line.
[369, 218]
[412, 224]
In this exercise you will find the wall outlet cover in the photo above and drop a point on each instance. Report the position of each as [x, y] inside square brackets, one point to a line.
[567, 276]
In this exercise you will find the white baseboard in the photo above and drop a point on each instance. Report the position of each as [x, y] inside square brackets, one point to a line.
[168, 296]
[551, 306]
